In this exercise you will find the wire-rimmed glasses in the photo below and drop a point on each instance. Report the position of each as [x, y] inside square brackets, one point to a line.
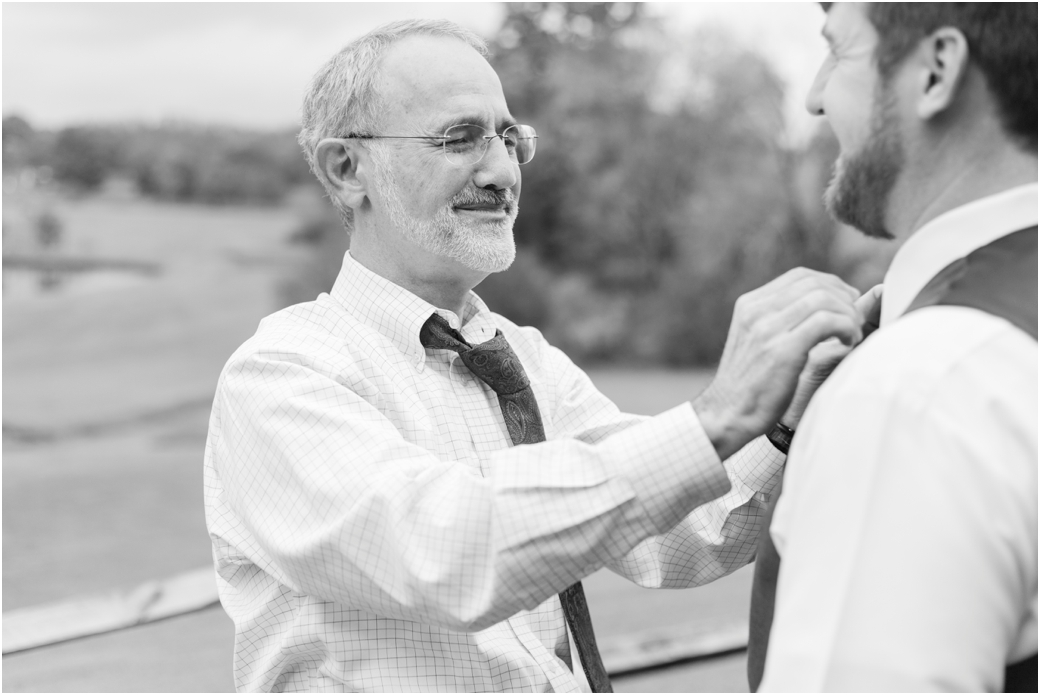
[466, 144]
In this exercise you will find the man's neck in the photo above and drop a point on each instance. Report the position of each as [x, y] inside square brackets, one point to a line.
[956, 177]
[442, 282]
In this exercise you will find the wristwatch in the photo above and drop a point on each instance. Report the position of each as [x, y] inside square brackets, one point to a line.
[781, 436]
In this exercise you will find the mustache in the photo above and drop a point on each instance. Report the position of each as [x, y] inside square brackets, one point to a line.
[483, 196]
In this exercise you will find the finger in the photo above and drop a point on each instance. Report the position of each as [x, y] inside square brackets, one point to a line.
[769, 308]
[822, 325]
[786, 289]
[870, 300]
[826, 280]
[801, 276]
[819, 299]
[870, 306]
[828, 350]
[825, 357]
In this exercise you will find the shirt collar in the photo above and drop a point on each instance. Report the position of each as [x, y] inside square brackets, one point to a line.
[398, 314]
[950, 236]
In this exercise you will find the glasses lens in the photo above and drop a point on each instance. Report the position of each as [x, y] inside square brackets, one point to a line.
[520, 141]
[464, 144]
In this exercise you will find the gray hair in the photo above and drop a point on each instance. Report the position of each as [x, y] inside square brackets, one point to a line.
[342, 97]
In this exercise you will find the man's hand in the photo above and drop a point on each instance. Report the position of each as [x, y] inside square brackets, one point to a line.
[827, 355]
[772, 331]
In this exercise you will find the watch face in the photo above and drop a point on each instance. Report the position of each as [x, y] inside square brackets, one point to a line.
[780, 436]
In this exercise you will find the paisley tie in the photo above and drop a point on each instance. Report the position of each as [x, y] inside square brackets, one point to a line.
[495, 363]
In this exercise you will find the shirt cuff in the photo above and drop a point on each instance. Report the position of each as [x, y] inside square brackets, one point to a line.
[758, 465]
[672, 466]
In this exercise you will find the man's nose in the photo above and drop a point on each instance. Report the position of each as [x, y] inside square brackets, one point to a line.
[814, 99]
[496, 169]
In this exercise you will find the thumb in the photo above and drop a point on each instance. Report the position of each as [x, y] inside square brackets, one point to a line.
[869, 306]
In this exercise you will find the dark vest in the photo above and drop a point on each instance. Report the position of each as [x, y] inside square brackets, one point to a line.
[1000, 279]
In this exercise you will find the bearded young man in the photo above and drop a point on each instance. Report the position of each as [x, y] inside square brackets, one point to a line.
[909, 559]
[399, 482]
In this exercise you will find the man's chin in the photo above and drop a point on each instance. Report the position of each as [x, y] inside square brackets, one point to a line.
[490, 259]
[483, 248]
[856, 196]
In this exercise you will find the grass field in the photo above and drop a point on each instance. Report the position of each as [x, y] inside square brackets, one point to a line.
[105, 400]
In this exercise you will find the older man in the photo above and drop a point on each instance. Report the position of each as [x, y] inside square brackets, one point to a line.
[400, 482]
[910, 559]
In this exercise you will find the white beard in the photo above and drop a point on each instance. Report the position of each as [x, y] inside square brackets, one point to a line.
[485, 246]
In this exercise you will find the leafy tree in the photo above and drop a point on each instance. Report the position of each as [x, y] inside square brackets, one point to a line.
[19, 141]
[83, 156]
[662, 189]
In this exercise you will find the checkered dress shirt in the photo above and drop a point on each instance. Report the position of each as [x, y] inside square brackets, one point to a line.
[373, 528]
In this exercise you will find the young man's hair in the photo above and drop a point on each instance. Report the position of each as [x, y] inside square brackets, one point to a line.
[1001, 42]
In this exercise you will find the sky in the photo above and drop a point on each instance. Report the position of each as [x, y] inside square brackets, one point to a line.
[247, 64]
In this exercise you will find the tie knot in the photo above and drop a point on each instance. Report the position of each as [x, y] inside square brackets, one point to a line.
[493, 361]
[438, 334]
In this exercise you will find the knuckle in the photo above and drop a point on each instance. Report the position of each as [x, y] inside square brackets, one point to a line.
[819, 295]
[747, 308]
[817, 299]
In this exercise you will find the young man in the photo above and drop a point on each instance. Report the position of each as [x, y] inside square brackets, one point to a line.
[400, 482]
[907, 526]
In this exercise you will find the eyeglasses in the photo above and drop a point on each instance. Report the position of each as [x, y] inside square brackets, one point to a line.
[467, 144]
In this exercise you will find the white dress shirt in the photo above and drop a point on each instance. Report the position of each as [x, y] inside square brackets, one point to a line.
[374, 528]
[908, 522]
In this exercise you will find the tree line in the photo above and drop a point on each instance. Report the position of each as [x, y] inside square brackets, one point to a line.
[663, 187]
[171, 162]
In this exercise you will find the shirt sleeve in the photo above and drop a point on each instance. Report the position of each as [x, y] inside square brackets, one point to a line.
[907, 530]
[716, 538]
[333, 502]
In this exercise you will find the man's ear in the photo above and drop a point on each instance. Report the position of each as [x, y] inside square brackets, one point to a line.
[944, 63]
[338, 161]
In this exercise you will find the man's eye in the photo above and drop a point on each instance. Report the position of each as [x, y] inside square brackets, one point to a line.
[457, 143]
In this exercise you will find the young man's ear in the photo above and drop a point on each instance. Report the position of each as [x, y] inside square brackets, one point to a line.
[944, 66]
[338, 161]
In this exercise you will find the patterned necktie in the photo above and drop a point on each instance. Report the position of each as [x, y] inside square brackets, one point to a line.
[495, 363]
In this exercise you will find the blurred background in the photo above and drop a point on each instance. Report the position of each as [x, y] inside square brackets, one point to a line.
[156, 206]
